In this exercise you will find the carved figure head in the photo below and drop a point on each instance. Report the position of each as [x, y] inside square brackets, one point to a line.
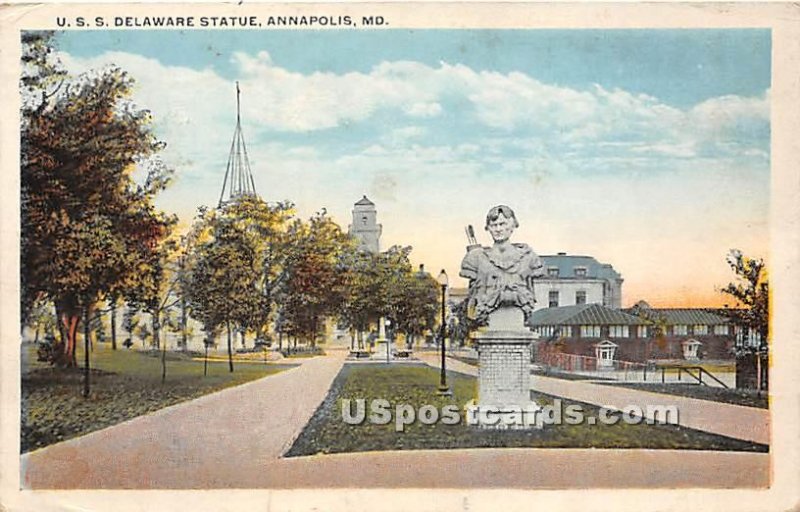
[501, 222]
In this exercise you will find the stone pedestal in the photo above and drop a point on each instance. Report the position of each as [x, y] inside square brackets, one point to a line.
[383, 346]
[504, 354]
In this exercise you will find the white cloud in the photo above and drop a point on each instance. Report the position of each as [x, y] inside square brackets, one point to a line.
[283, 100]
[512, 124]
[432, 109]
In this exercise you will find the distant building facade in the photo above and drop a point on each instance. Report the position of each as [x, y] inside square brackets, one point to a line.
[635, 335]
[572, 280]
[365, 227]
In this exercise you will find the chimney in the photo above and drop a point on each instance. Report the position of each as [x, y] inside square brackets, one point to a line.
[562, 254]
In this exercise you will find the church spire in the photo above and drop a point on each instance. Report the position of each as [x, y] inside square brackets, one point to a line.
[238, 180]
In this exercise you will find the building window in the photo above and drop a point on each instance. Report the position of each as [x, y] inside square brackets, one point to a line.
[618, 331]
[552, 272]
[580, 271]
[364, 220]
[680, 330]
[700, 330]
[590, 331]
[553, 299]
[641, 331]
[721, 330]
[580, 297]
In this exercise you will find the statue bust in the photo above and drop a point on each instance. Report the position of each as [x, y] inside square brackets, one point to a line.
[501, 275]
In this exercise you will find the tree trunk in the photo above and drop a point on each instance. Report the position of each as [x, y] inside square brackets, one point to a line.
[68, 328]
[164, 362]
[230, 351]
[156, 328]
[205, 360]
[184, 325]
[114, 324]
[758, 373]
[242, 334]
[86, 337]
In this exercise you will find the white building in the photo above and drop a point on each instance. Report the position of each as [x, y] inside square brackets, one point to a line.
[572, 280]
[365, 225]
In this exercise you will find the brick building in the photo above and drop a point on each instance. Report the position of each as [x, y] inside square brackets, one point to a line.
[636, 334]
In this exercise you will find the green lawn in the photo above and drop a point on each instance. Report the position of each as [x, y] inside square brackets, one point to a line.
[416, 385]
[125, 384]
[746, 397]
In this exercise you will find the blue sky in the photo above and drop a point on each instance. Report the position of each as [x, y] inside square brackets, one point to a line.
[639, 147]
[680, 67]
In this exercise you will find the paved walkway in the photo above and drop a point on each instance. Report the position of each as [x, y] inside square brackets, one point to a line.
[216, 441]
[748, 423]
[522, 468]
[234, 439]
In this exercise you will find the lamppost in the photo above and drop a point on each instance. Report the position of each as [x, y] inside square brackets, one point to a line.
[388, 323]
[443, 389]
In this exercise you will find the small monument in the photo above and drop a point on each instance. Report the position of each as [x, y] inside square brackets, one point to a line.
[501, 295]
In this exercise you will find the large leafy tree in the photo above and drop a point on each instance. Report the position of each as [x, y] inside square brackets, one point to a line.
[418, 306]
[384, 285]
[750, 294]
[87, 225]
[264, 225]
[363, 301]
[316, 274]
[224, 287]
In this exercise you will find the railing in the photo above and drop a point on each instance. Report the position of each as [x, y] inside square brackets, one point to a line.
[688, 369]
[608, 368]
[625, 370]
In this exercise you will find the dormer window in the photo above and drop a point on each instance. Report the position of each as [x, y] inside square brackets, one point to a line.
[580, 271]
[552, 272]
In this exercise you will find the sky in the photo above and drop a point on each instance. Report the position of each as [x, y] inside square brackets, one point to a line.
[647, 149]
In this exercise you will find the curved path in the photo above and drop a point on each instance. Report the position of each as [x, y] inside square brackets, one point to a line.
[217, 440]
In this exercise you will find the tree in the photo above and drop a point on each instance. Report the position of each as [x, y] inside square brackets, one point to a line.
[130, 323]
[413, 297]
[363, 301]
[750, 292]
[750, 309]
[316, 274]
[264, 226]
[225, 277]
[42, 320]
[86, 224]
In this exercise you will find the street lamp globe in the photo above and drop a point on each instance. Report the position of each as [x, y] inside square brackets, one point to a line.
[442, 279]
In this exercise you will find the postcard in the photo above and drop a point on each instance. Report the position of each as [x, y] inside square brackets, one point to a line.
[391, 256]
